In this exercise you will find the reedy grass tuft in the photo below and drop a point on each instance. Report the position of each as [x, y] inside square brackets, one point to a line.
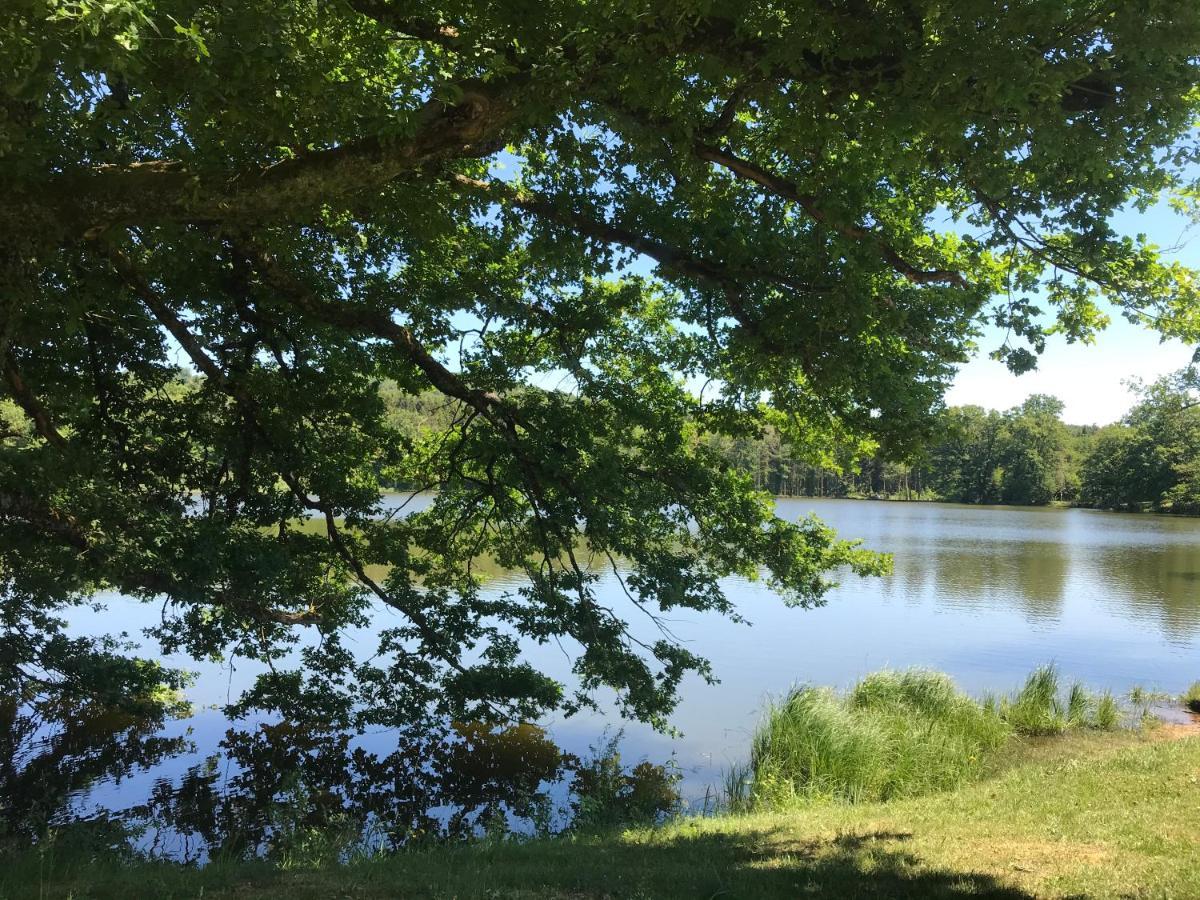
[1079, 706]
[1107, 714]
[736, 788]
[1191, 699]
[1036, 709]
[897, 734]
[900, 734]
[1039, 710]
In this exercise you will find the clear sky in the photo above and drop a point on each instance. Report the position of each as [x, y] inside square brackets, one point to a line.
[1089, 378]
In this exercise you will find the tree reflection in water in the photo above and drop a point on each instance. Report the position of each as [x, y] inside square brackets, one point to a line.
[55, 747]
[287, 791]
[300, 789]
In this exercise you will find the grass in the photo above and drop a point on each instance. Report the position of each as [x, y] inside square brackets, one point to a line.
[897, 734]
[900, 734]
[1036, 708]
[1191, 699]
[1086, 814]
[1107, 714]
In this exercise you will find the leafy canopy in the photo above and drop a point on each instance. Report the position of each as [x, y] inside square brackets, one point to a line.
[565, 217]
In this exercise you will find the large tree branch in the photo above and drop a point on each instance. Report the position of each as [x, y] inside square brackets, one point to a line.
[64, 529]
[205, 363]
[788, 190]
[386, 14]
[729, 280]
[488, 405]
[364, 319]
[146, 193]
[29, 402]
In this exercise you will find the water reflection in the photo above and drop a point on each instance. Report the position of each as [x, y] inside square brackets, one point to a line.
[1159, 584]
[294, 784]
[1142, 568]
[270, 787]
[983, 594]
[54, 749]
[1031, 577]
[289, 791]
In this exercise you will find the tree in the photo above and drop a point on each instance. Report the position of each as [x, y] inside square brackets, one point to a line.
[1113, 473]
[965, 460]
[1033, 458]
[1151, 460]
[559, 216]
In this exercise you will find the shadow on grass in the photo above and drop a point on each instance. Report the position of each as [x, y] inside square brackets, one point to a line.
[718, 865]
[746, 864]
[875, 864]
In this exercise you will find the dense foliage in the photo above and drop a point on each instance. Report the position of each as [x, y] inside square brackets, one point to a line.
[1151, 460]
[901, 734]
[597, 229]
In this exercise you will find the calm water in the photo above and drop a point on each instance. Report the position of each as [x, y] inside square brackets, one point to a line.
[984, 594]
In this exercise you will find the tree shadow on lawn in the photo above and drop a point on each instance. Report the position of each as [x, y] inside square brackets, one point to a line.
[753, 864]
[749, 864]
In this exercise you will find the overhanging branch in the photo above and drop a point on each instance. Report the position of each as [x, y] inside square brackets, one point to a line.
[200, 357]
[161, 191]
[387, 15]
[729, 280]
[29, 402]
[782, 187]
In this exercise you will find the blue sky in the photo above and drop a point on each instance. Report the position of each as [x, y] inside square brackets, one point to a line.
[1090, 380]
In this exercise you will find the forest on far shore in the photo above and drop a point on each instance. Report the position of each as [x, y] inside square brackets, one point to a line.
[1025, 456]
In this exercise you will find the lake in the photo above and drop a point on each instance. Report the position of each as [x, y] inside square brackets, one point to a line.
[983, 593]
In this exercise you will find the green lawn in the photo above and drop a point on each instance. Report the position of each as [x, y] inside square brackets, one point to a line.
[1095, 815]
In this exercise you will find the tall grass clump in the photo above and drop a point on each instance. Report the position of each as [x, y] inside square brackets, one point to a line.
[896, 734]
[1036, 708]
[1079, 706]
[1040, 709]
[1106, 715]
[900, 734]
[1191, 699]
[735, 796]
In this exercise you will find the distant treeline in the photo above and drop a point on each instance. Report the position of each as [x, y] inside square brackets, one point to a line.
[1024, 456]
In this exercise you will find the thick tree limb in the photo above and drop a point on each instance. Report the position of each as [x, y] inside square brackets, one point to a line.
[33, 407]
[731, 281]
[386, 14]
[788, 190]
[363, 319]
[153, 192]
[47, 521]
[211, 369]
[64, 529]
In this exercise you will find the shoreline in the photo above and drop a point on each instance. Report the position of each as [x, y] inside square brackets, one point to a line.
[1056, 505]
[1097, 815]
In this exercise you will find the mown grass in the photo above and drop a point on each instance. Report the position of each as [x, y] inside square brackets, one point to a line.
[900, 734]
[1086, 814]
